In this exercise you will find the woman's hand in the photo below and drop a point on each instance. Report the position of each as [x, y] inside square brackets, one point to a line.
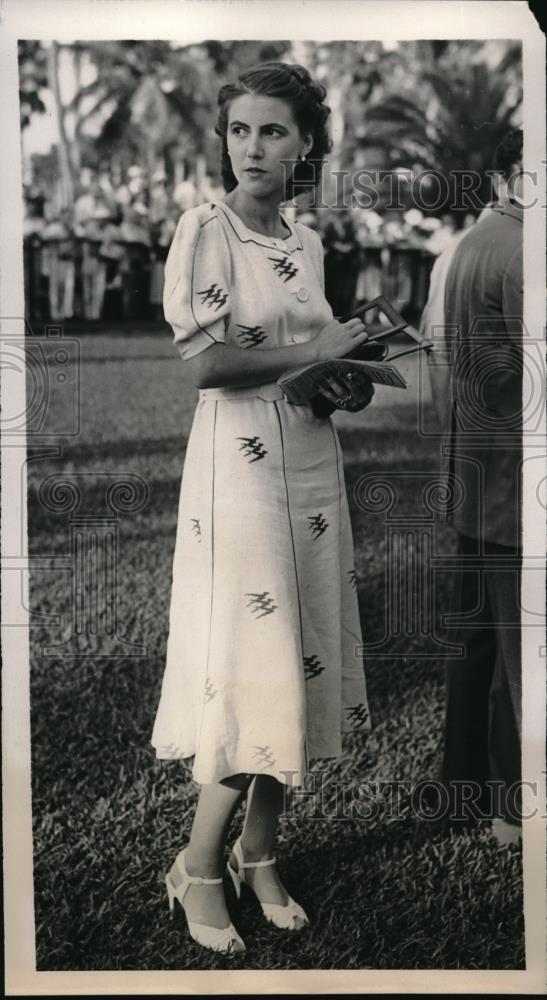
[350, 392]
[336, 339]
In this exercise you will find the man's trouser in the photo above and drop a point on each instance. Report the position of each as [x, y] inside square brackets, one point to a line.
[482, 744]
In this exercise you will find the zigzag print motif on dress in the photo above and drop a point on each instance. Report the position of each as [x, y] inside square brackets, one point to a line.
[261, 602]
[171, 750]
[312, 667]
[213, 296]
[318, 525]
[251, 336]
[357, 715]
[196, 527]
[210, 691]
[264, 756]
[284, 267]
[252, 446]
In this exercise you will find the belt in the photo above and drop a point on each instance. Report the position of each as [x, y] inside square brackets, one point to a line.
[270, 392]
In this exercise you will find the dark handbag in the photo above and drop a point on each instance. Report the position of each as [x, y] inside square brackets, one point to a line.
[371, 350]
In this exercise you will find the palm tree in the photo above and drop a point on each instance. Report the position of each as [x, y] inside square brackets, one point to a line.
[454, 118]
[352, 72]
[32, 63]
[146, 96]
[156, 101]
[65, 161]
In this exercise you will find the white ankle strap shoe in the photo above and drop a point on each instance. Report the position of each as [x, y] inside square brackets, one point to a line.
[222, 939]
[288, 917]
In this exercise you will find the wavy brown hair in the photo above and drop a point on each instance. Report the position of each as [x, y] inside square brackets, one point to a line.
[293, 84]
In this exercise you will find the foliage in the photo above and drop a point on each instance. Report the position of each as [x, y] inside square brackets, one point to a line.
[384, 891]
[32, 79]
[155, 100]
[229, 58]
[465, 115]
[145, 96]
[454, 116]
[438, 104]
[441, 105]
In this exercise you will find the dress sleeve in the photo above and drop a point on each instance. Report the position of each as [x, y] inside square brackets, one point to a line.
[196, 297]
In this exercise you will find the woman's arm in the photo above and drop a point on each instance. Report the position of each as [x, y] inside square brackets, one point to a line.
[199, 260]
[225, 365]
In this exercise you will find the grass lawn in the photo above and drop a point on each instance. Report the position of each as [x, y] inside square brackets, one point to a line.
[384, 888]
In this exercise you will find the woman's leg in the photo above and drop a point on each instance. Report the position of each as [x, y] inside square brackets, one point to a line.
[264, 804]
[215, 810]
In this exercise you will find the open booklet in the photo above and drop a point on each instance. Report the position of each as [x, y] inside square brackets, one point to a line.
[371, 358]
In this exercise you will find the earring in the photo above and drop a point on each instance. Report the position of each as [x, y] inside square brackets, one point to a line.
[302, 157]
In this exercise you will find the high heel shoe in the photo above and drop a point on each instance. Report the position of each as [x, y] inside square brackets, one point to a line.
[283, 916]
[222, 939]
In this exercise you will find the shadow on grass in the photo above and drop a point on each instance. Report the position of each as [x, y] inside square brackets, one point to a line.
[379, 895]
[82, 452]
[383, 892]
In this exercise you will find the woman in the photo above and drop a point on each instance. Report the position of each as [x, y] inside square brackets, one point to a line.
[262, 671]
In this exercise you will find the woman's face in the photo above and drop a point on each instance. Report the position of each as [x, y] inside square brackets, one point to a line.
[264, 143]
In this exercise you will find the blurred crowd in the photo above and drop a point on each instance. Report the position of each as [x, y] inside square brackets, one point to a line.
[103, 258]
[368, 254]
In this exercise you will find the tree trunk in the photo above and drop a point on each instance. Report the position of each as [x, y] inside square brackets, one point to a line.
[333, 188]
[77, 146]
[65, 164]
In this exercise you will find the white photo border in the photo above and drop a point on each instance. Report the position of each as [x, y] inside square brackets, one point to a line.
[194, 20]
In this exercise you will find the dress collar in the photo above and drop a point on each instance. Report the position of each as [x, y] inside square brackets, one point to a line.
[246, 235]
[509, 207]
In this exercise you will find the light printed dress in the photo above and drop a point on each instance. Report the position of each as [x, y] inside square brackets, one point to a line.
[264, 669]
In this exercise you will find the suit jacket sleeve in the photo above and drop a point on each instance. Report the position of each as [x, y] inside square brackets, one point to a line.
[513, 294]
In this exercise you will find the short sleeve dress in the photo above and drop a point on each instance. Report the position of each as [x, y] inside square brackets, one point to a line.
[264, 668]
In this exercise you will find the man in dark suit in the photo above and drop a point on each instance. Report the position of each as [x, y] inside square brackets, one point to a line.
[481, 456]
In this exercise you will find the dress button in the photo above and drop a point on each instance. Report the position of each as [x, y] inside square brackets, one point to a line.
[302, 294]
